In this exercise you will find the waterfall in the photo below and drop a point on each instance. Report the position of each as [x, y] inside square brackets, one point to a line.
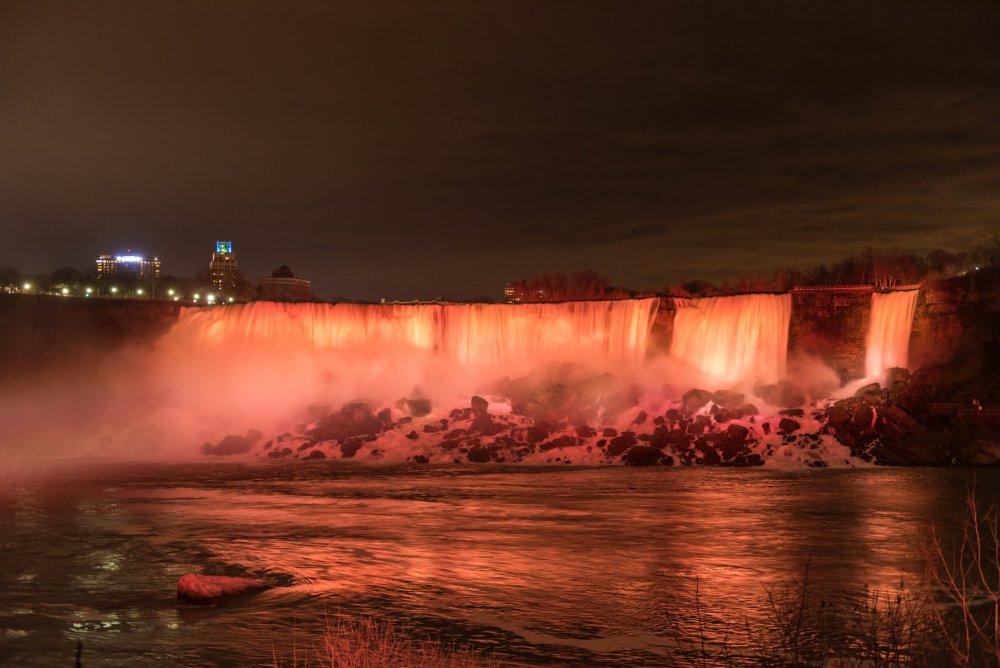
[888, 341]
[477, 335]
[743, 337]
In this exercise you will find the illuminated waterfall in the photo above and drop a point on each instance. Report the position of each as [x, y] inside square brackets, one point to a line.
[743, 337]
[888, 342]
[477, 335]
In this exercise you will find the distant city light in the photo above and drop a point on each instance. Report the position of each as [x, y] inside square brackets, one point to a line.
[170, 292]
[211, 298]
[139, 291]
[89, 290]
[114, 291]
[176, 299]
[132, 259]
[197, 296]
[27, 286]
[231, 300]
[65, 291]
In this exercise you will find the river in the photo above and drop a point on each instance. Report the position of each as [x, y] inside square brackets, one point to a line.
[571, 566]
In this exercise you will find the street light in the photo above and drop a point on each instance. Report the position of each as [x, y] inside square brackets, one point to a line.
[27, 286]
[170, 292]
[65, 291]
[139, 291]
[114, 290]
[89, 291]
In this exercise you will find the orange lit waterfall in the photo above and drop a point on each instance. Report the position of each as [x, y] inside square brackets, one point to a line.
[478, 335]
[888, 342]
[734, 338]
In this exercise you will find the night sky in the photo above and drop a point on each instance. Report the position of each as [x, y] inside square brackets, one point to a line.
[421, 149]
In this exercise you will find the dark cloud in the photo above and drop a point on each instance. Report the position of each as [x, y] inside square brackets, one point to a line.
[439, 148]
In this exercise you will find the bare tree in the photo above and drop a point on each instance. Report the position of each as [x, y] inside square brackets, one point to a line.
[966, 574]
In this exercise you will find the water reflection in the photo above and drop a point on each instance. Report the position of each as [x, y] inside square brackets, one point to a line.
[571, 566]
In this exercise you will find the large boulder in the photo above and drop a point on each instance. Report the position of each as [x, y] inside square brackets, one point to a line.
[728, 399]
[782, 394]
[211, 588]
[787, 425]
[353, 419]
[232, 444]
[980, 453]
[418, 407]
[695, 399]
[872, 393]
[642, 455]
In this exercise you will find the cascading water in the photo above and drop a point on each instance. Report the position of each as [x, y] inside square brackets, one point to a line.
[480, 335]
[888, 341]
[743, 337]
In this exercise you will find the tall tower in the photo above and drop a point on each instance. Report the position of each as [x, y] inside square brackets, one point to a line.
[224, 269]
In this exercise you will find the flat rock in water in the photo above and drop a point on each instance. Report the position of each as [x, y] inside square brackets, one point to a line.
[209, 588]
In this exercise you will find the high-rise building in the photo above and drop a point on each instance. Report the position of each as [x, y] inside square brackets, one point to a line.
[516, 292]
[133, 270]
[224, 268]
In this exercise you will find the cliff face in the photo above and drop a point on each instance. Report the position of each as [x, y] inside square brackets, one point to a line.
[38, 333]
[832, 324]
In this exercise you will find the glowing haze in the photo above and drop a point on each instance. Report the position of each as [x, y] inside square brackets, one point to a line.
[224, 370]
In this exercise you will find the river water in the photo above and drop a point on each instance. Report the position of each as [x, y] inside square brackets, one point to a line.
[575, 566]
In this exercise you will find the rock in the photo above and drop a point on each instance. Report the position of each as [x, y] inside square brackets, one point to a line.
[863, 416]
[385, 417]
[723, 415]
[792, 412]
[418, 407]
[350, 448]
[620, 444]
[585, 432]
[788, 426]
[695, 399]
[897, 375]
[420, 459]
[610, 432]
[642, 455]
[699, 424]
[640, 418]
[354, 419]
[316, 454]
[838, 415]
[980, 453]
[872, 393]
[479, 405]
[483, 424]
[413, 435]
[230, 445]
[210, 588]
[479, 455]
[728, 399]
[894, 422]
[737, 433]
[560, 442]
[673, 414]
[782, 393]
[748, 409]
